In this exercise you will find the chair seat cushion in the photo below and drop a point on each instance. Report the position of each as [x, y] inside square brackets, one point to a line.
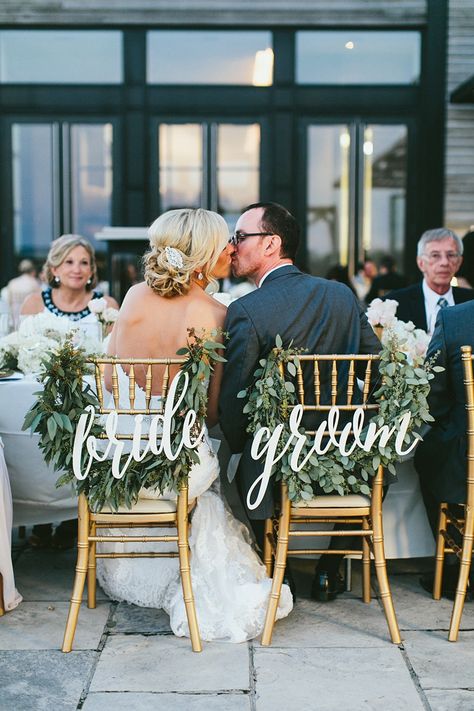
[145, 506]
[332, 501]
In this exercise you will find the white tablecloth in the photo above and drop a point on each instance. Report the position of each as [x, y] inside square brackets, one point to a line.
[11, 596]
[35, 497]
[36, 500]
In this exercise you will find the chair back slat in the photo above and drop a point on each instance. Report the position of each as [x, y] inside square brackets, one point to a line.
[131, 386]
[317, 383]
[334, 383]
[148, 387]
[350, 382]
[299, 379]
[98, 384]
[166, 379]
[368, 374]
[115, 386]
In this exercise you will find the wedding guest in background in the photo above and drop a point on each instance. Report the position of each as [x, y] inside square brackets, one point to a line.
[362, 280]
[386, 280]
[441, 457]
[316, 314]
[465, 275]
[19, 288]
[439, 258]
[71, 272]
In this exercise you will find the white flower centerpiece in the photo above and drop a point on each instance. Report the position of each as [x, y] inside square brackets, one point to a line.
[37, 337]
[412, 341]
[106, 315]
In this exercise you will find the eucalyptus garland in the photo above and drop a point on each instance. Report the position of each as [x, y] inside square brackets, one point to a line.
[64, 398]
[403, 388]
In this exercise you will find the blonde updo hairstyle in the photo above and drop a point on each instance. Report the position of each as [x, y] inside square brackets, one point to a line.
[197, 235]
[58, 252]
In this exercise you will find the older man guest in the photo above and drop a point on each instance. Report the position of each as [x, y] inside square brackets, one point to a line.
[439, 258]
[322, 316]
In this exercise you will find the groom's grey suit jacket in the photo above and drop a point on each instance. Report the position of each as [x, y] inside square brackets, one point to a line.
[319, 315]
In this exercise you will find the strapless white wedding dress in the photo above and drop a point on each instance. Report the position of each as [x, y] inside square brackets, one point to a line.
[230, 584]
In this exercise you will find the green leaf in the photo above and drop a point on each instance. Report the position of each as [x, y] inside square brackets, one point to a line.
[52, 427]
[278, 341]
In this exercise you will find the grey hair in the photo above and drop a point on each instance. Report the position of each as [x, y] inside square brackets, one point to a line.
[437, 235]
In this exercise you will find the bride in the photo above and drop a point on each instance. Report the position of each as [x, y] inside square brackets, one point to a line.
[229, 581]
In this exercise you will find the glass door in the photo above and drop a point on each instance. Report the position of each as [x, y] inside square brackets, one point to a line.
[356, 178]
[61, 181]
[211, 164]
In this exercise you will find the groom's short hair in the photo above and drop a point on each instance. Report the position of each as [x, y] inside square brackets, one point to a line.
[277, 220]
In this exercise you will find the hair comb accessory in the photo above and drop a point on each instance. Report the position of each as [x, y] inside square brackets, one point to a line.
[174, 257]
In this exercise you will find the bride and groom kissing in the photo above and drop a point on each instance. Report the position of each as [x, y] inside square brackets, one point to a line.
[229, 581]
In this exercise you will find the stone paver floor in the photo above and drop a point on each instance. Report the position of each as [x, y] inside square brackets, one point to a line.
[324, 657]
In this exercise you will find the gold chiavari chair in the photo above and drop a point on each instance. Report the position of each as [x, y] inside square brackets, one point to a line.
[363, 513]
[149, 513]
[449, 515]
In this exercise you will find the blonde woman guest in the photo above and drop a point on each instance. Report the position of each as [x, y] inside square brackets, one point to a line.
[230, 585]
[71, 273]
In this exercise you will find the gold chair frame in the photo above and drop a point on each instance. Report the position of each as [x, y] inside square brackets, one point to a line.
[160, 515]
[464, 524]
[367, 518]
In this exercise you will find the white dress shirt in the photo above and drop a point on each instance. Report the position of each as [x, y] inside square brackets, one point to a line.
[431, 305]
[286, 264]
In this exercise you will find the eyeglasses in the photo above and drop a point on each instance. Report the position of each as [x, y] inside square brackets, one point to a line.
[438, 256]
[239, 237]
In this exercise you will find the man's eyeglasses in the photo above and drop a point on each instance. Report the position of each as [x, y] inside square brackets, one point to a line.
[239, 237]
[438, 256]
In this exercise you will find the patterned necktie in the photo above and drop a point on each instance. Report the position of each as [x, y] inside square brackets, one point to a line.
[442, 302]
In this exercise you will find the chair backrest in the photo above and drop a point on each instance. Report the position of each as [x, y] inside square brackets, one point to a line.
[345, 381]
[467, 358]
[153, 370]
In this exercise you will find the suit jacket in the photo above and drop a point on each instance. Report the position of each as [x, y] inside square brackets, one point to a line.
[322, 316]
[441, 458]
[411, 303]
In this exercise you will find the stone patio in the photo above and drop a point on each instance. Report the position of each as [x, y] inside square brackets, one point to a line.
[333, 656]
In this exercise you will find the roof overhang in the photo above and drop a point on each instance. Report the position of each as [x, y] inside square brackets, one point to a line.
[464, 93]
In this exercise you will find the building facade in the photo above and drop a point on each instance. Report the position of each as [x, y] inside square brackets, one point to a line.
[113, 112]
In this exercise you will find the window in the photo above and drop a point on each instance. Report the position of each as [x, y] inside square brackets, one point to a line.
[358, 57]
[209, 57]
[60, 57]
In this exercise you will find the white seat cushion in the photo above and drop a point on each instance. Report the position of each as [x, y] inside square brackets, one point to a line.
[145, 506]
[332, 501]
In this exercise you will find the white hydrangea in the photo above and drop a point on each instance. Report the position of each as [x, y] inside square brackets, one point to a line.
[32, 352]
[109, 315]
[96, 306]
[382, 313]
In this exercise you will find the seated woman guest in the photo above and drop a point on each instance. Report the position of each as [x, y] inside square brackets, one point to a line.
[71, 272]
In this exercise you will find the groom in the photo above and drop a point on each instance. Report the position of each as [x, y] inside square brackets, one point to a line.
[319, 315]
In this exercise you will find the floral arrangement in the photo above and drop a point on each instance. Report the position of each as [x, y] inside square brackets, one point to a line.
[403, 387]
[106, 315]
[37, 337]
[412, 341]
[66, 394]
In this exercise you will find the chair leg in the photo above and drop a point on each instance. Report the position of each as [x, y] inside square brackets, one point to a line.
[91, 572]
[81, 572]
[439, 558]
[380, 562]
[2, 601]
[267, 546]
[279, 568]
[464, 569]
[185, 569]
[366, 596]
